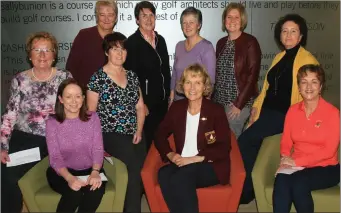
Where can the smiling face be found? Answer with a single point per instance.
(190, 25)
(310, 86)
(146, 20)
(42, 54)
(290, 34)
(193, 86)
(72, 100)
(233, 21)
(106, 18)
(117, 55)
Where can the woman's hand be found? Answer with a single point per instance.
(172, 156)
(183, 161)
(287, 161)
(137, 138)
(94, 180)
(146, 110)
(233, 113)
(171, 98)
(75, 183)
(4, 157)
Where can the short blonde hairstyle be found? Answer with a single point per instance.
(242, 12)
(195, 70)
(106, 3)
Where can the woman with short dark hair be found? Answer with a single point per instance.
(116, 96)
(279, 92)
(309, 146)
(75, 145)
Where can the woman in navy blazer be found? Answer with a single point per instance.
(202, 140)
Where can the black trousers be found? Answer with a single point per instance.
(11, 197)
(270, 122)
(179, 184)
(296, 188)
(153, 120)
(133, 156)
(84, 199)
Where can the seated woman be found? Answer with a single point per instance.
(278, 93)
(312, 131)
(75, 146)
(32, 99)
(202, 139)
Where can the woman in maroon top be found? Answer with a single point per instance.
(87, 55)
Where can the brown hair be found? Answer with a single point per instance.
(111, 40)
(313, 68)
(59, 107)
(242, 12)
(41, 35)
(195, 70)
(107, 3)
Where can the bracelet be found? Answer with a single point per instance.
(97, 170)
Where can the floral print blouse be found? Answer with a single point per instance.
(116, 105)
(29, 105)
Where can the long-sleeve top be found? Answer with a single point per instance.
(280, 83)
(202, 53)
(29, 105)
(74, 143)
(86, 55)
(303, 57)
(315, 140)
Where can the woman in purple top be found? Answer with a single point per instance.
(195, 49)
(75, 146)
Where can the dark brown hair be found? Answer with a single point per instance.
(313, 68)
(59, 107)
(111, 40)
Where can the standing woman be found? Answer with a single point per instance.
(279, 92)
(32, 98)
(238, 64)
(75, 145)
(86, 55)
(195, 49)
(115, 93)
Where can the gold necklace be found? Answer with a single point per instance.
(43, 79)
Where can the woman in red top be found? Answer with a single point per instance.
(312, 131)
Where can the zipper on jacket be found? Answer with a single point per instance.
(163, 78)
(146, 86)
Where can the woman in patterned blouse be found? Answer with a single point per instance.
(115, 93)
(238, 63)
(32, 99)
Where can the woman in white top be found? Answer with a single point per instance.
(202, 140)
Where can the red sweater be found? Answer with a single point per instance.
(87, 55)
(315, 140)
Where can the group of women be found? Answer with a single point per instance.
(132, 99)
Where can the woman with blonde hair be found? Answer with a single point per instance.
(202, 141)
(87, 55)
(237, 70)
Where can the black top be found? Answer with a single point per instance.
(151, 66)
(278, 95)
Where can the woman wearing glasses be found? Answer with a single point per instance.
(32, 99)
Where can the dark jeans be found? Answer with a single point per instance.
(269, 123)
(85, 199)
(132, 155)
(179, 184)
(296, 188)
(151, 124)
(11, 197)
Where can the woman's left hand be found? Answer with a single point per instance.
(137, 138)
(233, 113)
(94, 180)
(287, 161)
(183, 161)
